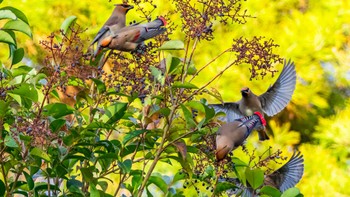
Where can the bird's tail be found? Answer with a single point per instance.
(262, 134)
(157, 23)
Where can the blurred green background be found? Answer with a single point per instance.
(314, 34)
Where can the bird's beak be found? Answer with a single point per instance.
(130, 7)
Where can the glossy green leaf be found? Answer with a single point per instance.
(187, 85)
(94, 191)
(10, 142)
(74, 182)
(67, 23)
(2, 188)
(29, 180)
(179, 176)
(271, 191)
(159, 182)
(132, 135)
(3, 108)
(18, 25)
(223, 186)
(238, 162)
(87, 174)
(57, 124)
(101, 87)
(26, 91)
(103, 185)
(58, 110)
(6, 37)
(172, 64)
(209, 113)
(17, 12)
(21, 70)
(114, 112)
(291, 192)
(188, 117)
(7, 14)
(125, 166)
(255, 177)
(43, 187)
(172, 45)
(17, 56)
(40, 153)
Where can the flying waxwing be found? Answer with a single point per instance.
(271, 102)
(128, 38)
(117, 19)
(233, 134)
(284, 178)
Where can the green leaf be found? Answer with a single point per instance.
(291, 192)
(26, 90)
(87, 174)
(67, 23)
(125, 166)
(271, 191)
(157, 74)
(172, 64)
(188, 117)
(238, 162)
(7, 14)
(187, 85)
(132, 135)
(179, 176)
(58, 110)
(10, 142)
(2, 188)
(114, 112)
(101, 87)
(6, 37)
(103, 185)
(172, 45)
(21, 70)
(29, 180)
(220, 187)
(255, 177)
(94, 191)
(40, 153)
(17, 56)
(74, 182)
(44, 186)
(17, 12)
(57, 124)
(18, 25)
(3, 108)
(209, 113)
(159, 182)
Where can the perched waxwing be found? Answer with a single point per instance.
(129, 37)
(117, 20)
(284, 178)
(271, 102)
(233, 134)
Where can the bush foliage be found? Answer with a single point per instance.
(138, 124)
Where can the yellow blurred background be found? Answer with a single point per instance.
(314, 34)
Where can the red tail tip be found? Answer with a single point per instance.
(262, 119)
(163, 20)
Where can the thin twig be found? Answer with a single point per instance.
(206, 65)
